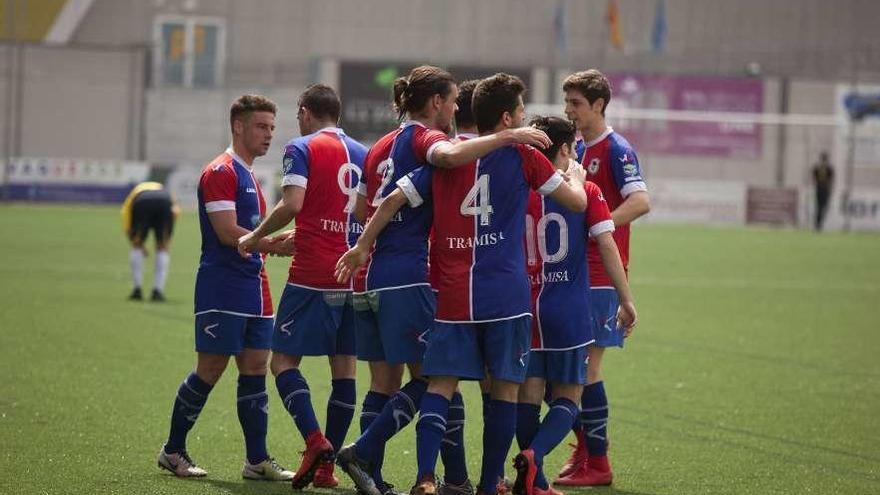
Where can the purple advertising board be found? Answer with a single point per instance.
(715, 94)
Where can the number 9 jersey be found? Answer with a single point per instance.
(327, 164)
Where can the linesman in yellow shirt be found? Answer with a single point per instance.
(149, 207)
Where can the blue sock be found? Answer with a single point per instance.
(253, 414)
(340, 411)
(498, 433)
(429, 432)
(556, 425)
(594, 418)
(399, 412)
(191, 398)
(452, 446)
(374, 402)
(528, 418)
(295, 396)
(487, 404)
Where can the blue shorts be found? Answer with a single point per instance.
(229, 334)
(604, 306)
(313, 322)
(559, 366)
(392, 324)
(465, 350)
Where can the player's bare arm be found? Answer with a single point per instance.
(356, 257)
(626, 313)
(284, 212)
(634, 206)
(228, 231)
(360, 209)
(453, 155)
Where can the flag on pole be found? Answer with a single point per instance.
(615, 36)
(658, 37)
(559, 27)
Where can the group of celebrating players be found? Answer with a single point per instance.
(488, 255)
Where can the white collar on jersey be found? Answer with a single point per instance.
(407, 123)
(605, 134)
(238, 158)
(467, 135)
(331, 128)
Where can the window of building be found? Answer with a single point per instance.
(188, 51)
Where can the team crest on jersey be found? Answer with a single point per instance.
(630, 169)
(593, 167)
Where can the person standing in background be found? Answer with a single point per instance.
(823, 179)
(149, 207)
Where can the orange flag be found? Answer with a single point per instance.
(615, 36)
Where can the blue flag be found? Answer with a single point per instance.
(658, 37)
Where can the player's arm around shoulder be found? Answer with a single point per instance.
(626, 314)
(447, 154)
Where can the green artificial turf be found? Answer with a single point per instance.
(754, 368)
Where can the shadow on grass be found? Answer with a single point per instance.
(259, 487)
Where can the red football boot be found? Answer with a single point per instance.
(526, 471)
(318, 450)
(324, 477)
(578, 456)
(594, 472)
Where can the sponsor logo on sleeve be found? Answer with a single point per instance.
(287, 165)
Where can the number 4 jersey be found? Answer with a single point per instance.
(556, 250)
(479, 223)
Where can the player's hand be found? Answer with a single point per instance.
(282, 244)
(530, 135)
(626, 317)
(349, 262)
(576, 173)
(247, 244)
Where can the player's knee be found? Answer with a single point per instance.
(568, 391)
(532, 391)
(504, 390)
(211, 370)
(343, 367)
(386, 379)
(282, 362)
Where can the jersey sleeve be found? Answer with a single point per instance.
(598, 215)
(296, 165)
(218, 185)
(416, 186)
(368, 168)
(539, 172)
(425, 141)
(626, 170)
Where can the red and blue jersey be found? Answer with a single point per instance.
(556, 254)
(328, 165)
(226, 282)
(611, 162)
(400, 256)
(479, 223)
